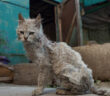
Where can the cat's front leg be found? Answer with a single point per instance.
(41, 81)
(37, 91)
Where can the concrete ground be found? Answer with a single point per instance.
(21, 90)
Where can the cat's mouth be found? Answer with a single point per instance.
(26, 40)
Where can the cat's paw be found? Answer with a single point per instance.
(63, 92)
(107, 94)
(60, 92)
(101, 92)
(94, 90)
(36, 92)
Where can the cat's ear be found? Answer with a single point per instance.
(21, 19)
(38, 20)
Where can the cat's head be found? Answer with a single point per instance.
(29, 30)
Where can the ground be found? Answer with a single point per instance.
(22, 90)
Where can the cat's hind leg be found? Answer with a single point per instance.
(66, 87)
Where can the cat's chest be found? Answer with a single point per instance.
(33, 52)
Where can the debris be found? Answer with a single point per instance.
(4, 60)
(6, 73)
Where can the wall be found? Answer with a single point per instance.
(9, 45)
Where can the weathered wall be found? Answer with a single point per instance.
(9, 46)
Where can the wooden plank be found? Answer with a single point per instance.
(50, 2)
(7, 66)
(71, 29)
(3, 79)
(102, 19)
(23, 74)
(67, 16)
(59, 23)
(78, 20)
(56, 23)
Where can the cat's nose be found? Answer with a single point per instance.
(25, 38)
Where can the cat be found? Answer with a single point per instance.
(30, 32)
(54, 59)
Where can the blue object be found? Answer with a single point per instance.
(4, 60)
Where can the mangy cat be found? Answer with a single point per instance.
(55, 59)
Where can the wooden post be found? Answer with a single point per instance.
(58, 23)
(78, 20)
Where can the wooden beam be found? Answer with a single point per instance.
(58, 23)
(78, 20)
(50, 2)
(7, 66)
(102, 19)
(4, 79)
(71, 28)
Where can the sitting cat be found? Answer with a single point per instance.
(54, 59)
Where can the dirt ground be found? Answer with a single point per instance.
(21, 90)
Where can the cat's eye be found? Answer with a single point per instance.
(31, 33)
(21, 32)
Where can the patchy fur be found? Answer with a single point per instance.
(54, 59)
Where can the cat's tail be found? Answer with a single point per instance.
(87, 85)
(101, 92)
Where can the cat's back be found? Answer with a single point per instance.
(66, 50)
(68, 55)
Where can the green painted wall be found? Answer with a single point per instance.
(9, 45)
